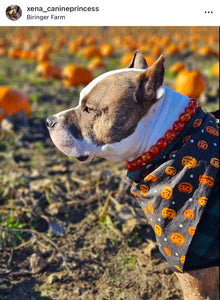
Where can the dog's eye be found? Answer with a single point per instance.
(88, 109)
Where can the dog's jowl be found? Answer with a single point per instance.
(171, 150)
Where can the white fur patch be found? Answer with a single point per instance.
(160, 92)
(93, 83)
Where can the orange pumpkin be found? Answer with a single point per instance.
(150, 208)
(177, 238)
(202, 201)
(170, 170)
(74, 75)
(144, 189)
(215, 69)
(205, 51)
(167, 251)
(158, 229)
(90, 52)
(182, 259)
(212, 130)
(48, 70)
(26, 54)
(185, 187)
(12, 102)
(3, 51)
(166, 192)
(15, 53)
(189, 162)
(172, 49)
(168, 213)
(197, 123)
(192, 230)
(96, 63)
(189, 214)
(190, 83)
(206, 180)
(177, 67)
(214, 162)
(202, 145)
(126, 59)
(107, 50)
(151, 177)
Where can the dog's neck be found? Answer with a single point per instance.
(151, 127)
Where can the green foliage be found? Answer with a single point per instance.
(127, 261)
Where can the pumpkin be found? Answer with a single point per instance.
(150, 207)
(167, 251)
(144, 189)
(74, 75)
(170, 170)
(90, 52)
(158, 229)
(3, 51)
(185, 187)
(189, 162)
(177, 67)
(73, 47)
(202, 201)
(172, 49)
(126, 59)
(183, 259)
(214, 162)
(166, 192)
(190, 83)
(15, 52)
(48, 70)
(202, 145)
(168, 213)
(177, 238)
(206, 180)
(215, 69)
(192, 230)
(205, 51)
(197, 123)
(43, 56)
(107, 50)
(26, 54)
(151, 177)
(96, 63)
(12, 102)
(212, 130)
(189, 214)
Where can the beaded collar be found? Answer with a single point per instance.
(164, 141)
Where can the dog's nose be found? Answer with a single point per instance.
(51, 122)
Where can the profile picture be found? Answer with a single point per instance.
(13, 12)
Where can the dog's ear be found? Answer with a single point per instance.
(150, 82)
(138, 61)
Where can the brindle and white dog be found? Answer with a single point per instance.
(120, 115)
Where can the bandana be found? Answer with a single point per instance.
(176, 189)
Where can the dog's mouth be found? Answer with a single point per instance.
(82, 157)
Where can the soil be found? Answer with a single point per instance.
(57, 241)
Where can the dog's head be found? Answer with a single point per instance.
(111, 107)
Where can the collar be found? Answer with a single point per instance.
(168, 137)
(138, 174)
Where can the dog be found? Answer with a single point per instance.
(170, 146)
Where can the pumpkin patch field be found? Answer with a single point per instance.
(70, 230)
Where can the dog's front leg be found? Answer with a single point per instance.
(200, 284)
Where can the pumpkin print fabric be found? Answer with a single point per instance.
(175, 188)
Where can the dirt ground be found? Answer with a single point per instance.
(57, 243)
(56, 239)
